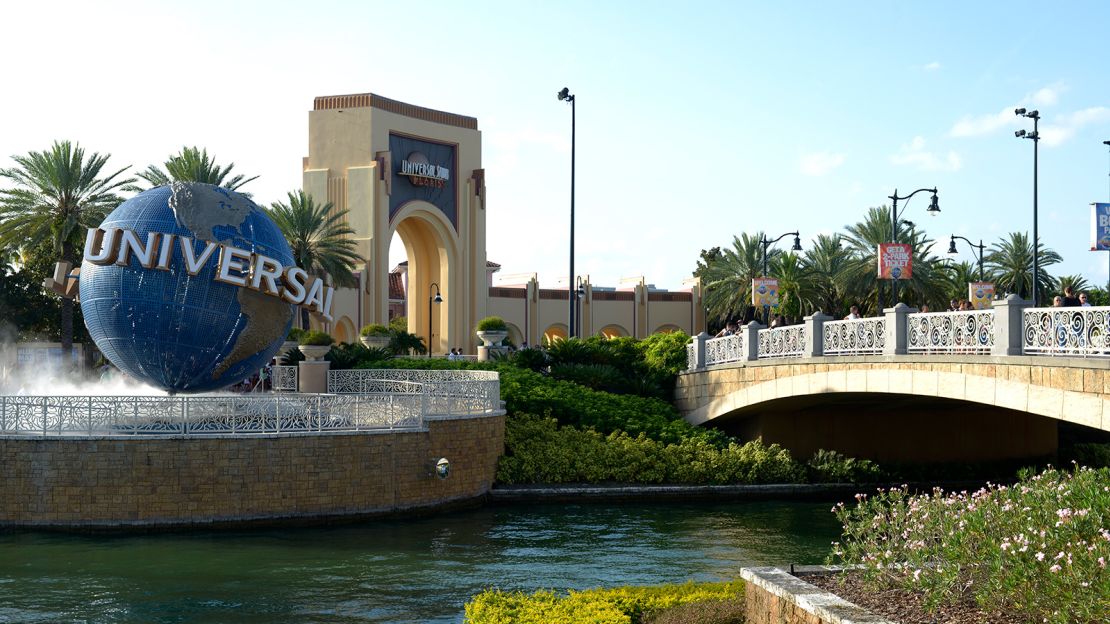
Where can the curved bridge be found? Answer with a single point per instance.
(903, 408)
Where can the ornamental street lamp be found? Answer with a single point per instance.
(432, 299)
(1036, 137)
(572, 295)
(933, 209)
(767, 243)
(952, 251)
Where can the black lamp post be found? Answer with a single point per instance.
(980, 247)
(437, 298)
(580, 294)
(566, 96)
(767, 243)
(933, 209)
(1036, 137)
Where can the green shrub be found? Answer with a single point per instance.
(351, 355)
(374, 329)
(622, 605)
(832, 467)
(537, 450)
(1092, 454)
(492, 323)
(295, 334)
(316, 338)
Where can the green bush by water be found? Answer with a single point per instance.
(622, 605)
(537, 450)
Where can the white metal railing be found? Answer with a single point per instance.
(284, 378)
(1081, 332)
(969, 331)
(208, 415)
(782, 342)
(724, 349)
(450, 392)
(691, 356)
(865, 336)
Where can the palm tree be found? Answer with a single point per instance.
(58, 194)
(320, 238)
(1077, 283)
(796, 291)
(928, 284)
(824, 260)
(960, 274)
(1009, 264)
(193, 165)
(728, 278)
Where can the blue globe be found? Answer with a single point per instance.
(181, 332)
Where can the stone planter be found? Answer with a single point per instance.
(288, 346)
(491, 344)
(374, 342)
(315, 353)
(492, 338)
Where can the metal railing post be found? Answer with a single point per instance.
(1009, 326)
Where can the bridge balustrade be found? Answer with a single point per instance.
(865, 336)
(1083, 332)
(1010, 328)
(782, 342)
(970, 331)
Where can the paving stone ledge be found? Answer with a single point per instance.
(773, 595)
(580, 492)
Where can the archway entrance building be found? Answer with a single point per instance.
(417, 172)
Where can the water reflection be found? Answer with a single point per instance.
(419, 570)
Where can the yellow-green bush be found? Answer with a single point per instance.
(622, 605)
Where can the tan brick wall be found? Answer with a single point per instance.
(182, 481)
(763, 607)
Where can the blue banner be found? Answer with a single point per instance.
(1100, 227)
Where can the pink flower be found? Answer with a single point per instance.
(1040, 556)
(1054, 569)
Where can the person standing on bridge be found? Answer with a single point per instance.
(853, 314)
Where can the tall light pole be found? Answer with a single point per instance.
(437, 298)
(952, 251)
(1036, 137)
(933, 209)
(1107, 144)
(766, 242)
(572, 293)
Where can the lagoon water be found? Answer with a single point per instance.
(418, 570)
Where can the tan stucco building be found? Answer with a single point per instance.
(417, 172)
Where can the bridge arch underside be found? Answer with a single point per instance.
(894, 428)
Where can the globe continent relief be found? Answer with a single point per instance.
(182, 332)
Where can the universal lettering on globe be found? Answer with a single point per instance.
(237, 267)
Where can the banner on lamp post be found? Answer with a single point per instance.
(980, 294)
(765, 291)
(895, 261)
(1100, 227)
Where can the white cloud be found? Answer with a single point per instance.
(978, 125)
(915, 154)
(1065, 126)
(931, 67)
(1047, 96)
(820, 163)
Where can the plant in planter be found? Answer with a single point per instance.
(375, 336)
(315, 344)
(492, 330)
(292, 340)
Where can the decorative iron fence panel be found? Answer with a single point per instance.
(285, 378)
(864, 336)
(207, 415)
(450, 392)
(969, 331)
(691, 360)
(782, 342)
(724, 349)
(1083, 332)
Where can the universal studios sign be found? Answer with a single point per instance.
(420, 172)
(237, 267)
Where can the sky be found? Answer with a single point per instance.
(693, 124)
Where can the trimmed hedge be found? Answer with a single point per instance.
(537, 450)
(622, 605)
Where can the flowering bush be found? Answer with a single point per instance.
(1039, 548)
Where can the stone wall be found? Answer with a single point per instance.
(182, 481)
(773, 596)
